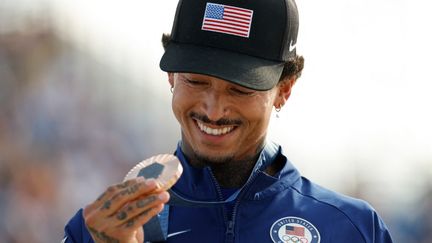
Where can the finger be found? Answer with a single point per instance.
(125, 230)
(129, 193)
(142, 218)
(139, 206)
(109, 192)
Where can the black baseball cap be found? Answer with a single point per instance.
(245, 42)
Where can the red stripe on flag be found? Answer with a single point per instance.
(236, 20)
(225, 31)
(227, 22)
(237, 13)
(238, 9)
(237, 17)
(228, 27)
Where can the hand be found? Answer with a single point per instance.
(118, 214)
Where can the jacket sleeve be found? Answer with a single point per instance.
(75, 230)
(381, 233)
(367, 221)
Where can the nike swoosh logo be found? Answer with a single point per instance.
(291, 46)
(178, 233)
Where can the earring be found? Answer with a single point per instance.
(172, 89)
(277, 109)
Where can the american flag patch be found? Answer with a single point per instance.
(294, 230)
(227, 19)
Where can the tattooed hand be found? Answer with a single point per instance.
(118, 214)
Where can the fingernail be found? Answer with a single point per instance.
(163, 196)
(150, 182)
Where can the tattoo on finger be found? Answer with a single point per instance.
(106, 205)
(123, 185)
(128, 191)
(132, 189)
(103, 236)
(130, 223)
(144, 202)
(122, 215)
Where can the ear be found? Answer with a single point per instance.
(284, 88)
(171, 79)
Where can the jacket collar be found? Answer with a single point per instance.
(199, 184)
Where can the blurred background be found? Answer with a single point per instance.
(82, 100)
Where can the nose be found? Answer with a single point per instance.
(215, 105)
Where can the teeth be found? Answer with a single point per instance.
(214, 131)
(225, 130)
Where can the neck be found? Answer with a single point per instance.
(233, 174)
(229, 172)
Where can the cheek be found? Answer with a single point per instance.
(182, 103)
(176, 106)
(259, 113)
(263, 111)
(263, 107)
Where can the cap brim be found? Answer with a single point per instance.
(247, 71)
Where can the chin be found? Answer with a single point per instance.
(213, 158)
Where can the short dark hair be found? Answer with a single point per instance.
(292, 68)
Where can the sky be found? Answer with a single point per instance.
(361, 108)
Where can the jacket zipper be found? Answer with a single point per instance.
(230, 223)
(219, 192)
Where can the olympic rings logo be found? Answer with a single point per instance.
(294, 239)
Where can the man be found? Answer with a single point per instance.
(229, 63)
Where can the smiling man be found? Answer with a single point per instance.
(223, 124)
(229, 64)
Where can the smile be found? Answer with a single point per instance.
(214, 131)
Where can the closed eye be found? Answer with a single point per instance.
(243, 92)
(195, 82)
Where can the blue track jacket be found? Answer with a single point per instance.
(285, 208)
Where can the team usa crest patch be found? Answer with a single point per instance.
(294, 230)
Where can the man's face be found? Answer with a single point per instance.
(219, 120)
